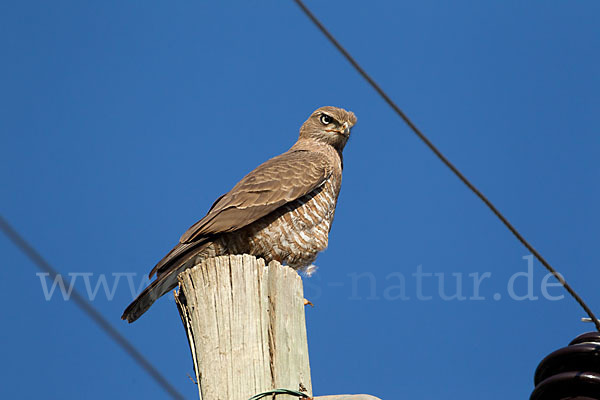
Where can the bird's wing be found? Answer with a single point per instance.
(276, 182)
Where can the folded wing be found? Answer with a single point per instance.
(271, 185)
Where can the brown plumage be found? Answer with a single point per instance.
(281, 211)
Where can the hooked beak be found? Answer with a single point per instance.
(344, 131)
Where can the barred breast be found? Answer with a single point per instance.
(293, 234)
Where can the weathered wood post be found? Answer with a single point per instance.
(245, 325)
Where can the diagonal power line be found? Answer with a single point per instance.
(94, 314)
(447, 162)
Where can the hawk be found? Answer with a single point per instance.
(280, 211)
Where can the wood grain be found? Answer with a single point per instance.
(246, 327)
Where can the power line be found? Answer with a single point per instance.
(94, 314)
(447, 162)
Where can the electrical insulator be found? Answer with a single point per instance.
(572, 372)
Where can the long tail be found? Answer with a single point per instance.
(166, 280)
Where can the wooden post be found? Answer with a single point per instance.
(245, 325)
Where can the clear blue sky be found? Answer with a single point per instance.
(122, 121)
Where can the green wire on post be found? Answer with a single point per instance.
(279, 391)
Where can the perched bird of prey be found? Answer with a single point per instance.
(281, 211)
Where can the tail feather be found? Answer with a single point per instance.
(166, 280)
(177, 252)
(156, 289)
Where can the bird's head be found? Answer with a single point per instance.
(330, 125)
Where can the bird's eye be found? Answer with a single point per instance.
(326, 119)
